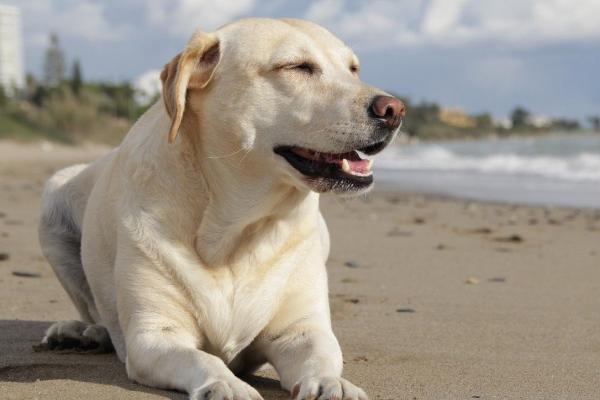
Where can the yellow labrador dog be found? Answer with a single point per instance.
(196, 248)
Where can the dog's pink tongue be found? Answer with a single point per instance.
(350, 162)
(361, 166)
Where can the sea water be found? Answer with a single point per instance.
(553, 170)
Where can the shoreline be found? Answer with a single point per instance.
(553, 170)
(385, 188)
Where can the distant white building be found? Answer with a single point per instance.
(505, 123)
(11, 53)
(539, 121)
(147, 86)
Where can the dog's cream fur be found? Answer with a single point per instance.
(206, 256)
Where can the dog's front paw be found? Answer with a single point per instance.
(327, 388)
(226, 389)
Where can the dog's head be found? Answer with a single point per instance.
(283, 98)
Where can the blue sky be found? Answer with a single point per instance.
(481, 55)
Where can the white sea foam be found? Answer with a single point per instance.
(580, 166)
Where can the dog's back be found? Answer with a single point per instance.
(60, 234)
(63, 205)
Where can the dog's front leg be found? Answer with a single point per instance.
(163, 334)
(168, 358)
(308, 359)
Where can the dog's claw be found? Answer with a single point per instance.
(327, 388)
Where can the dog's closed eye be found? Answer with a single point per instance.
(305, 67)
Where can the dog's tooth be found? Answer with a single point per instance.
(346, 166)
(369, 165)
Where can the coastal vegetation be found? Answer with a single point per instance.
(430, 121)
(62, 106)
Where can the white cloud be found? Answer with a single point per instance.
(376, 23)
(84, 19)
(565, 18)
(441, 15)
(87, 20)
(324, 9)
(454, 23)
(182, 17)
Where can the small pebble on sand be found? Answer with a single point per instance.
(352, 264)
(25, 274)
(481, 231)
(4, 256)
(514, 238)
(405, 310)
(398, 232)
(472, 281)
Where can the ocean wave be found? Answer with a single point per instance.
(583, 166)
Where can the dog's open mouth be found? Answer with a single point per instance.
(330, 170)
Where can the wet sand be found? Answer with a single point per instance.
(432, 298)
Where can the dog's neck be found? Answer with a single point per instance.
(247, 205)
(239, 220)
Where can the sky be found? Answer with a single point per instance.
(480, 55)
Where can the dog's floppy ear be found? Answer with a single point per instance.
(191, 69)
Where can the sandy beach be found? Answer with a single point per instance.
(432, 298)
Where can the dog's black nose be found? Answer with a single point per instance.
(390, 109)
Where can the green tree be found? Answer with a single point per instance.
(3, 97)
(564, 124)
(484, 121)
(595, 122)
(39, 95)
(54, 62)
(420, 117)
(121, 101)
(31, 84)
(76, 77)
(34, 92)
(519, 118)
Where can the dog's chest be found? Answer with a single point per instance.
(236, 314)
(239, 306)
